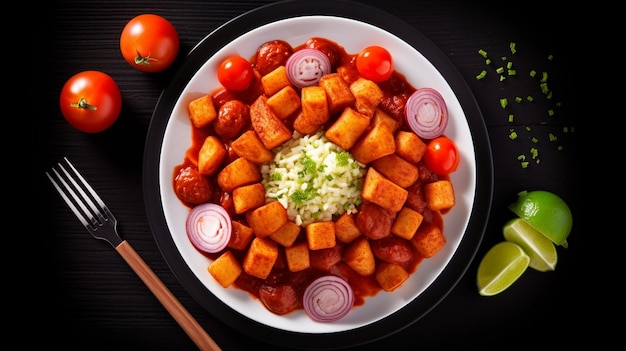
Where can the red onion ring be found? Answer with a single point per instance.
(426, 113)
(328, 298)
(306, 67)
(209, 227)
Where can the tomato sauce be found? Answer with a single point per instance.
(396, 90)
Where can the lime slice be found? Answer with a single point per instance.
(541, 250)
(501, 266)
(546, 212)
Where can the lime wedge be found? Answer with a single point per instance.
(546, 212)
(542, 252)
(501, 266)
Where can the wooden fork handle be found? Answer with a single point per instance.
(168, 300)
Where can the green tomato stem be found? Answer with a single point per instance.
(82, 103)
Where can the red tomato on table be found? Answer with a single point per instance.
(149, 43)
(90, 101)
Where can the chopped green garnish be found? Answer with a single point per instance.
(503, 58)
(512, 72)
(550, 112)
(534, 152)
(565, 129)
(502, 78)
(552, 137)
(481, 75)
(533, 73)
(534, 140)
(521, 157)
(550, 57)
(544, 77)
(513, 135)
(277, 176)
(518, 99)
(524, 164)
(343, 158)
(504, 102)
(530, 98)
(510, 118)
(482, 53)
(509, 65)
(300, 196)
(560, 147)
(499, 70)
(309, 165)
(512, 47)
(527, 128)
(544, 88)
(488, 61)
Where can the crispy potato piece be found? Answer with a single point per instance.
(359, 256)
(271, 130)
(337, 91)
(267, 219)
(241, 236)
(439, 195)
(238, 173)
(390, 275)
(260, 257)
(211, 156)
(383, 192)
(347, 129)
(381, 116)
(320, 235)
(406, 223)
(303, 126)
(248, 197)
(284, 102)
(250, 146)
(397, 169)
(225, 269)
(287, 234)
(297, 257)
(373, 144)
(202, 111)
(346, 229)
(428, 240)
(275, 81)
(315, 105)
(367, 96)
(409, 146)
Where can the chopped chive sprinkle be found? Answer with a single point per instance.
(502, 78)
(482, 53)
(499, 70)
(533, 73)
(512, 47)
(512, 72)
(488, 61)
(509, 65)
(560, 147)
(518, 99)
(504, 102)
(544, 77)
(513, 135)
(481, 75)
(550, 57)
(552, 137)
(535, 140)
(534, 152)
(524, 164)
(527, 128)
(503, 58)
(521, 157)
(550, 112)
(511, 118)
(530, 98)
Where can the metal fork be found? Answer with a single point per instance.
(94, 214)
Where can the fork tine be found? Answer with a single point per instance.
(86, 198)
(65, 198)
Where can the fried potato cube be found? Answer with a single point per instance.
(248, 197)
(267, 219)
(297, 257)
(241, 236)
(315, 105)
(346, 229)
(303, 126)
(285, 102)
(428, 240)
(367, 95)
(260, 257)
(271, 130)
(373, 144)
(409, 146)
(383, 192)
(381, 116)
(390, 275)
(275, 80)
(211, 155)
(397, 169)
(225, 269)
(406, 223)
(250, 146)
(238, 173)
(320, 235)
(287, 234)
(359, 256)
(439, 195)
(337, 91)
(202, 111)
(347, 129)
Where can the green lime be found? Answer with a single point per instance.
(541, 250)
(546, 212)
(501, 266)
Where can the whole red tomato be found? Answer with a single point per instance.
(235, 73)
(149, 43)
(375, 63)
(91, 101)
(442, 155)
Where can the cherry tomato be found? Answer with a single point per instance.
(374, 63)
(149, 43)
(235, 73)
(91, 101)
(442, 156)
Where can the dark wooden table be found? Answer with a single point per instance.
(95, 301)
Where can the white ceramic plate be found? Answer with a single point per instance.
(169, 139)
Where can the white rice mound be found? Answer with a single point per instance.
(313, 179)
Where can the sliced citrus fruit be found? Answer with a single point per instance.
(501, 266)
(542, 252)
(546, 212)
